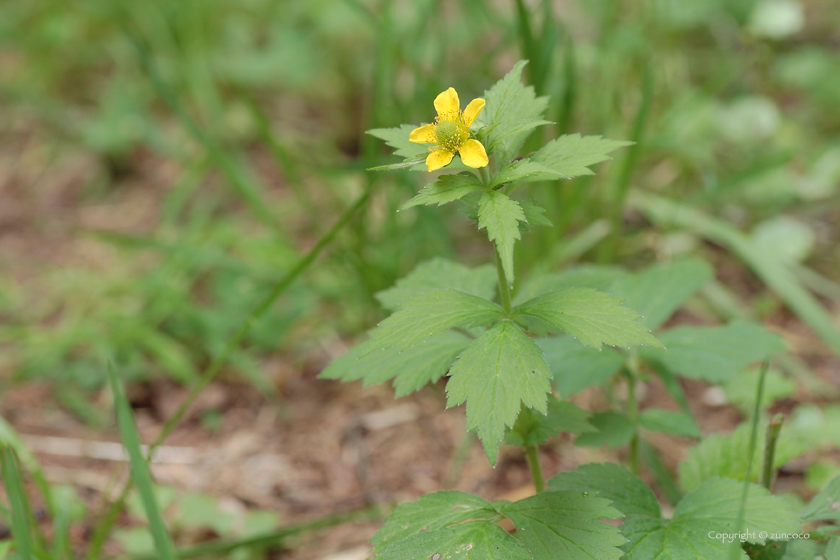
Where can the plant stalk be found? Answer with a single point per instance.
(504, 287)
(532, 454)
(773, 430)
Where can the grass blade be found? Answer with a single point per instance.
(773, 272)
(140, 470)
(21, 514)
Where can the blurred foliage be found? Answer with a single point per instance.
(738, 122)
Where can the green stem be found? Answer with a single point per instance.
(632, 373)
(484, 173)
(532, 454)
(773, 430)
(98, 539)
(504, 287)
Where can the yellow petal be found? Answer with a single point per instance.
(423, 135)
(439, 158)
(472, 110)
(447, 102)
(473, 154)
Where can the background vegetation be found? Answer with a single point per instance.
(163, 165)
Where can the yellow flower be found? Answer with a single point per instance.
(451, 133)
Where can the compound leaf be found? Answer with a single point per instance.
(511, 112)
(571, 155)
(428, 314)
(446, 189)
(474, 540)
(501, 369)
(626, 491)
(566, 525)
(440, 274)
(411, 369)
(397, 137)
(431, 513)
(522, 169)
(593, 317)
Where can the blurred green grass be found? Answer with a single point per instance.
(256, 110)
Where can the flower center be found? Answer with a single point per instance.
(451, 132)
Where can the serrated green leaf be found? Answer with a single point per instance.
(473, 540)
(428, 314)
(669, 422)
(658, 291)
(825, 505)
(713, 353)
(614, 430)
(626, 491)
(533, 428)
(501, 369)
(566, 525)
(571, 155)
(500, 216)
(511, 112)
(431, 513)
(534, 215)
(411, 369)
(596, 277)
(522, 169)
(446, 189)
(575, 366)
(440, 274)
(398, 138)
(593, 317)
(408, 163)
(719, 500)
(711, 509)
(724, 456)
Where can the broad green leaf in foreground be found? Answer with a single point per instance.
(571, 155)
(511, 112)
(628, 494)
(724, 456)
(500, 216)
(522, 169)
(655, 293)
(593, 317)
(575, 366)
(825, 505)
(431, 513)
(566, 525)
(428, 314)
(397, 138)
(502, 369)
(446, 189)
(712, 508)
(473, 540)
(714, 353)
(533, 428)
(411, 369)
(440, 274)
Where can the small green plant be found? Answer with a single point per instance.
(494, 345)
